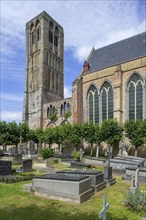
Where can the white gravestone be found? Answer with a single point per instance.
(102, 214)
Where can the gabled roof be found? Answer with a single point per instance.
(119, 52)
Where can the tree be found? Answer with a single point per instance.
(98, 138)
(23, 131)
(134, 133)
(49, 136)
(67, 115)
(53, 117)
(111, 132)
(3, 133)
(74, 134)
(13, 133)
(89, 134)
(59, 136)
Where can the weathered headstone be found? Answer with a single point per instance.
(17, 159)
(31, 147)
(102, 214)
(135, 182)
(27, 165)
(5, 167)
(13, 151)
(39, 148)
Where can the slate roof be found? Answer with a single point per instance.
(119, 52)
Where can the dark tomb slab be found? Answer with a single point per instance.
(97, 181)
(80, 165)
(74, 188)
(5, 167)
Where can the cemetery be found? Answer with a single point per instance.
(74, 186)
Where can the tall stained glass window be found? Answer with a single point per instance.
(135, 89)
(93, 105)
(107, 101)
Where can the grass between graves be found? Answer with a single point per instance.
(15, 204)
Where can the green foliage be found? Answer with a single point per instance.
(23, 130)
(136, 201)
(53, 117)
(67, 115)
(143, 128)
(88, 132)
(16, 178)
(49, 136)
(39, 134)
(74, 134)
(47, 153)
(75, 155)
(111, 131)
(59, 135)
(134, 132)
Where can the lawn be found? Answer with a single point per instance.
(15, 204)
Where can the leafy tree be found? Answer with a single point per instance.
(134, 133)
(47, 153)
(111, 132)
(67, 115)
(13, 133)
(39, 133)
(98, 138)
(53, 117)
(59, 135)
(143, 128)
(3, 133)
(74, 134)
(23, 131)
(89, 134)
(49, 136)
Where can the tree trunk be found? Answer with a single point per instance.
(135, 153)
(91, 152)
(97, 151)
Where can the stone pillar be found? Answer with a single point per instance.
(118, 96)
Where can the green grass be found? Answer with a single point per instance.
(18, 205)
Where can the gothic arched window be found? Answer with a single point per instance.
(93, 105)
(107, 101)
(135, 89)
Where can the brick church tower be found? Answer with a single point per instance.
(44, 79)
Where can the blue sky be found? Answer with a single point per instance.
(86, 24)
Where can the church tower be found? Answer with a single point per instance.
(44, 79)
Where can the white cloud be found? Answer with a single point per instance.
(10, 97)
(67, 91)
(85, 23)
(11, 116)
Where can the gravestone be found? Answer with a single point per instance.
(39, 148)
(31, 147)
(68, 187)
(5, 167)
(108, 171)
(17, 159)
(122, 149)
(13, 151)
(135, 182)
(81, 154)
(97, 181)
(102, 214)
(26, 166)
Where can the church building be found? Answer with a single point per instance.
(111, 84)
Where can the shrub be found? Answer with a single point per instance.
(56, 161)
(75, 155)
(136, 201)
(46, 153)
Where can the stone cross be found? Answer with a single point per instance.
(102, 213)
(81, 154)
